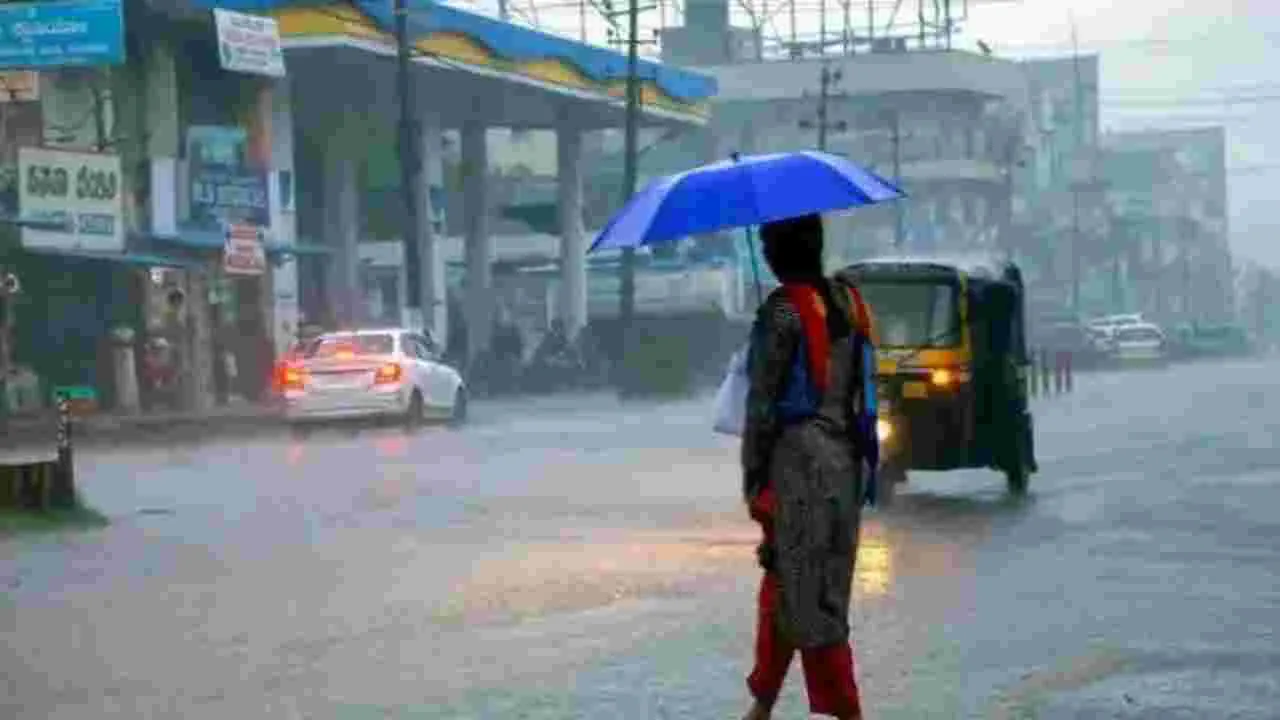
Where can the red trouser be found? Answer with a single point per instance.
(828, 671)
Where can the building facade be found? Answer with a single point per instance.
(945, 125)
(1063, 223)
(1167, 191)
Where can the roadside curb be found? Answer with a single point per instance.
(269, 422)
(106, 430)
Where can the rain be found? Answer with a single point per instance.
(356, 368)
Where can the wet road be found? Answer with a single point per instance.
(595, 563)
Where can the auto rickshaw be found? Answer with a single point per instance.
(952, 367)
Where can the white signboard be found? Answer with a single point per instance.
(242, 254)
(249, 43)
(70, 200)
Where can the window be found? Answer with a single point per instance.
(423, 348)
(330, 346)
(913, 313)
(430, 343)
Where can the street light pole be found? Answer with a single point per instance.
(410, 173)
(627, 301)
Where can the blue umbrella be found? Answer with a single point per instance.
(741, 192)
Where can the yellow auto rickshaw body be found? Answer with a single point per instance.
(950, 364)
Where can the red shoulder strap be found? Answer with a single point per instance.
(809, 305)
(861, 315)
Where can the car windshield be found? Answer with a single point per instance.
(336, 345)
(913, 313)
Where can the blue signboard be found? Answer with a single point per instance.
(224, 189)
(61, 34)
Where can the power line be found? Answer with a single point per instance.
(1144, 44)
(1232, 89)
(1194, 101)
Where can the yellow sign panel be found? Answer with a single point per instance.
(915, 390)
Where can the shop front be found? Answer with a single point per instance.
(224, 222)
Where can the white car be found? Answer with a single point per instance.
(1141, 342)
(372, 373)
(1107, 326)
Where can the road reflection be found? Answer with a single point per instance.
(873, 574)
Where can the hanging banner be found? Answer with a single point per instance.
(79, 33)
(75, 198)
(243, 253)
(249, 44)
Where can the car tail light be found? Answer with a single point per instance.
(388, 374)
(292, 377)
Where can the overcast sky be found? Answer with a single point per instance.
(1165, 63)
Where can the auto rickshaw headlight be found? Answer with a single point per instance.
(884, 430)
(948, 377)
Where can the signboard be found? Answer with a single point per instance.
(81, 192)
(242, 254)
(249, 43)
(61, 34)
(19, 86)
(223, 188)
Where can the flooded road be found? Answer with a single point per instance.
(552, 562)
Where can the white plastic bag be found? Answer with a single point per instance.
(731, 398)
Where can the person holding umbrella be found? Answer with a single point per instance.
(802, 452)
(807, 420)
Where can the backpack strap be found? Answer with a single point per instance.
(865, 409)
(808, 303)
(861, 315)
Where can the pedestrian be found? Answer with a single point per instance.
(803, 446)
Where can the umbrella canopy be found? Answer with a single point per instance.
(744, 191)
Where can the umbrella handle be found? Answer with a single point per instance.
(755, 265)
(751, 251)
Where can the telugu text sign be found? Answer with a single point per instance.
(80, 193)
(243, 253)
(61, 34)
(249, 43)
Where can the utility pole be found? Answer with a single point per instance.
(827, 79)
(871, 25)
(410, 177)
(1075, 187)
(1010, 162)
(895, 138)
(822, 28)
(627, 284)
(794, 49)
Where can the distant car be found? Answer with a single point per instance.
(1107, 326)
(1142, 342)
(1087, 347)
(371, 373)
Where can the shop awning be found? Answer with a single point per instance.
(138, 259)
(202, 239)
